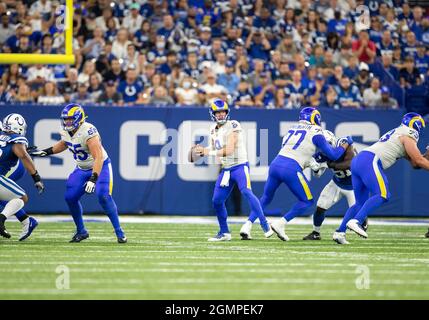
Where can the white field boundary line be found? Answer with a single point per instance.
(232, 220)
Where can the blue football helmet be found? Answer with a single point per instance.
(311, 115)
(219, 105)
(414, 120)
(72, 117)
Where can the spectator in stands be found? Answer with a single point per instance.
(7, 29)
(422, 59)
(131, 87)
(352, 70)
(229, 79)
(120, 45)
(133, 21)
(372, 95)
(409, 75)
(24, 45)
(93, 47)
(50, 95)
(330, 100)
(142, 38)
(363, 79)
(95, 87)
(110, 95)
(11, 76)
(211, 88)
(70, 85)
(23, 95)
(386, 60)
(364, 48)
(244, 96)
(385, 46)
(410, 46)
(265, 92)
(115, 73)
(161, 97)
(131, 58)
(186, 93)
(37, 75)
(348, 94)
(81, 96)
(319, 90)
(281, 102)
(296, 91)
(88, 69)
(386, 101)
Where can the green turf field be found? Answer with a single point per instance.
(174, 261)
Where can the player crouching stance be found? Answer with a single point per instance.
(226, 142)
(368, 176)
(298, 147)
(92, 173)
(13, 147)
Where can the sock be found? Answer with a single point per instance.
(12, 207)
(25, 222)
(318, 218)
(76, 210)
(255, 207)
(298, 209)
(350, 214)
(222, 215)
(370, 205)
(110, 208)
(21, 215)
(317, 229)
(282, 222)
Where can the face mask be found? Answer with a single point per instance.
(160, 45)
(186, 84)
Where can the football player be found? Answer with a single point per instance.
(13, 148)
(298, 147)
(370, 184)
(28, 223)
(93, 172)
(339, 186)
(226, 142)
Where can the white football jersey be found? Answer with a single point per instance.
(298, 142)
(389, 148)
(218, 139)
(77, 144)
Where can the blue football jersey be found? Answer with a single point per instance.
(8, 159)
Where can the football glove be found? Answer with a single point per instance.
(320, 157)
(90, 184)
(38, 182)
(33, 151)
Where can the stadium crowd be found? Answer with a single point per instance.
(268, 54)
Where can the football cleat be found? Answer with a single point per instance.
(279, 229)
(245, 231)
(365, 224)
(122, 239)
(78, 237)
(340, 238)
(3, 232)
(314, 235)
(220, 237)
(354, 225)
(427, 234)
(268, 232)
(28, 228)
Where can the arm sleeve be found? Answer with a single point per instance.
(332, 153)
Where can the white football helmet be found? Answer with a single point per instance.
(14, 122)
(330, 137)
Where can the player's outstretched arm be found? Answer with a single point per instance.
(416, 158)
(332, 153)
(21, 152)
(59, 147)
(345, 164)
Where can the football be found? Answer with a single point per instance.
(193, 156)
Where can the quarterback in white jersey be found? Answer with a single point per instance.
(370, 184)
(93, 172)
(227, 143)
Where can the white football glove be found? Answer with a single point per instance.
(314, 165)
(90, 187)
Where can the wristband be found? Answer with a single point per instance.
(36, 177)
(94, 177)
(49, 151)
(213, 153)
